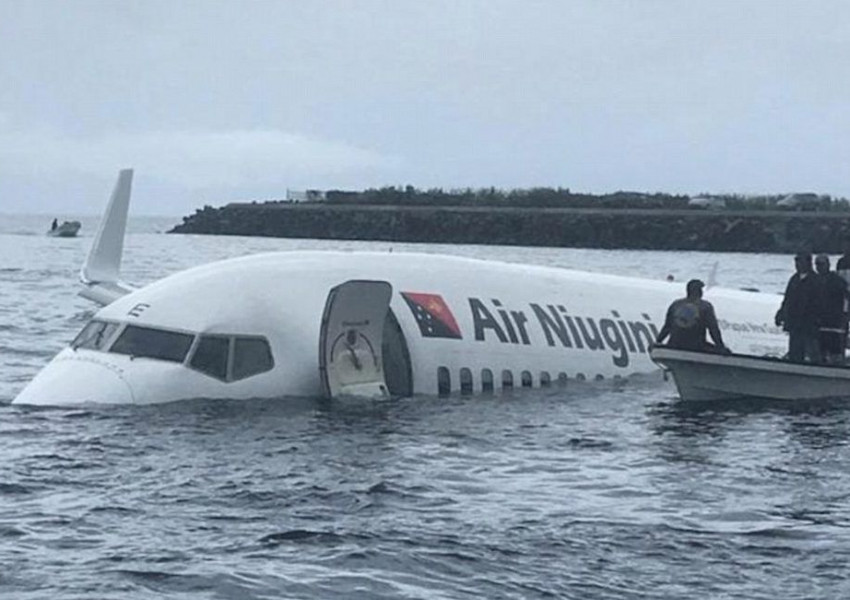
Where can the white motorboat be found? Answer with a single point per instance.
(66, 229)
(702, 376)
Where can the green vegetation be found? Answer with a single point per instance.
(543, 197)
(492, 197)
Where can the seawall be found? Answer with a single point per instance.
(647, 229)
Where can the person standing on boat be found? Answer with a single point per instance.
(842, 267)
(800, 312)
(833, 325)
(687, 321)
(843, 264)
(54, 225)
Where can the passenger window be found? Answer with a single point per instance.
(526, 379)
(146, 342)
(507, 379)
(444, 381)
(251, 356)
(465, 381)
(486, 380)
(96, 335)
(211, 356)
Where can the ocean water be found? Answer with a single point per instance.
(597, 490)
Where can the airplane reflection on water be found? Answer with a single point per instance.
(361, 323)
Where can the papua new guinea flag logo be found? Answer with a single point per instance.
(433, 316)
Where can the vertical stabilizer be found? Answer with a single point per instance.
(102, 267)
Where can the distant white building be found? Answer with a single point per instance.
(305, 195)
(707, 202)
(802, 201)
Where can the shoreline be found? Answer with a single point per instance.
(604, 228)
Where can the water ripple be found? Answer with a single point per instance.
(596, 491)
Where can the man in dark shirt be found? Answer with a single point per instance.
(842, 267)
(687, 321)
(833, 292)
(843, 264)
(800, 312)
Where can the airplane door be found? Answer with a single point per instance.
(351, 361)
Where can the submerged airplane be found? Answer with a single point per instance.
(336, 324)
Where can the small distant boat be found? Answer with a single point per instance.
(701, 376)
(66, 229)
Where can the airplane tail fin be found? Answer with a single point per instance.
(100, 273)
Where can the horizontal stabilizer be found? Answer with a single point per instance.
(104, 293)
(100, 273)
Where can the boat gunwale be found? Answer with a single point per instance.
(664, 354)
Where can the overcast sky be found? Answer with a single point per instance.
(218, 101)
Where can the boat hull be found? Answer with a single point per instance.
(704, 377)
(66, 229)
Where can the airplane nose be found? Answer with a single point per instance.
(71, 380)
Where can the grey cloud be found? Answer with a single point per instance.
(189, 159)
(655, 95)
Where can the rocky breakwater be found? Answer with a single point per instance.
(647, 229)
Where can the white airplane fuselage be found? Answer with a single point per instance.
(464, 323)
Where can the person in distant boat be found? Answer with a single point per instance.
(54, 225)
(800, 312)
(833, 325)
(687, 321)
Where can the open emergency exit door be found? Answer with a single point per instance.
(351, 361)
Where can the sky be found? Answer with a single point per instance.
(218, 101)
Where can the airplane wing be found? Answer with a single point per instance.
(99, 275)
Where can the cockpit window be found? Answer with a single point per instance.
(96, 335)
(231, 358)
(251, 356)
(146, 342)
(210, 356)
